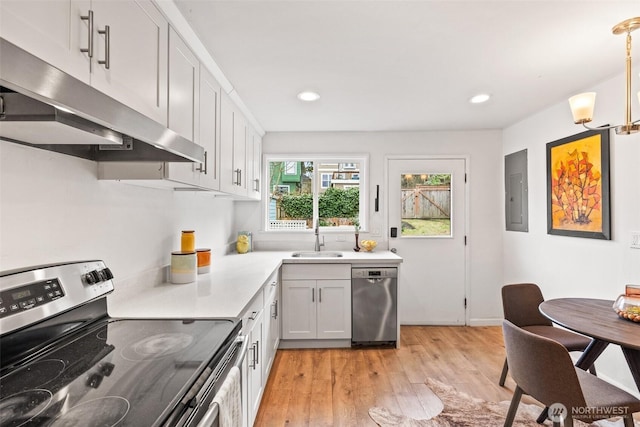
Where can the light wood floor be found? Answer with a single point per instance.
(336, 387)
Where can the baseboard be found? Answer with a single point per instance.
(486, 322)
(314, 344)
(472, 322)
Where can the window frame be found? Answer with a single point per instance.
(362, 159)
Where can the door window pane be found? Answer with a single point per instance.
(426, 204)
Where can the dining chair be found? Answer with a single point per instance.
(543, 369)
(520, 305)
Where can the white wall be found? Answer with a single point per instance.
(570, 266)
(485, 180)
(53, 208)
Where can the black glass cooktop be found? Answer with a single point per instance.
(115, 373)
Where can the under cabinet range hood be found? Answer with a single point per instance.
(43, 107)
(26, 119)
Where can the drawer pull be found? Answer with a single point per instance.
(253, 315)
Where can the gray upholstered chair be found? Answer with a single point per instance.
(543, 369)
(520, 305)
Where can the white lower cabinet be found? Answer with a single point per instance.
(316, 300)
(261, 328)
(271, 323)
(252, 384)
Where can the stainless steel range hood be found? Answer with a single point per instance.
(46, 108)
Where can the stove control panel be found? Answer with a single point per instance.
(29, 296)
(97, 276)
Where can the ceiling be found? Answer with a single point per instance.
(399, 65)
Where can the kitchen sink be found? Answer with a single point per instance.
(313, 254)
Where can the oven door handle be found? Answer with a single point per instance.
(243, 351)
(210, 418)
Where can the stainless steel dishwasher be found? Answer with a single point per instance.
(374, 306)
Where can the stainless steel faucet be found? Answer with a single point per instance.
(318, 244)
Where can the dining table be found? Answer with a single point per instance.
(596, 319)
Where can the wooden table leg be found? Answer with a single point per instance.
(633, 360)
(591, 353)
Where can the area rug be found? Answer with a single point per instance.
(462, 410)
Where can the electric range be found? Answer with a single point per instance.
(65, 362)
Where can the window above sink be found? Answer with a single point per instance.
(305, 190)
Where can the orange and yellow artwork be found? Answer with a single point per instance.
(576, 185)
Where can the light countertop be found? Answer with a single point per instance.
(227, 290)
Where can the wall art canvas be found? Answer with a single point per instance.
(578, 186)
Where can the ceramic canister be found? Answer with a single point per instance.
(204, 260)
(183, 267)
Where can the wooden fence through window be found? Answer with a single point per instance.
(426, 202)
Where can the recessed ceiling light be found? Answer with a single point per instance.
(480, 98)
(308, 96)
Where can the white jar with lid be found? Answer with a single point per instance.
(183, 267)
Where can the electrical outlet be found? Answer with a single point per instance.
(635, 239)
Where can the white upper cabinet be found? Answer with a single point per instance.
(184, 84)
(118, 47)
(209, 129)
(130, 55)
(52, 30)
(233, 131)
(184, 104)
(254, 164)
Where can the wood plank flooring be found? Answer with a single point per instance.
(336, 387)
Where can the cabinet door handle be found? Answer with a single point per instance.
(202, 168)
(313, 295)
(89, 49)
(257, 187)
(240, 177)
(257, 352)
(107, 46)
(274, 312)
(319, 294)
(252, 364)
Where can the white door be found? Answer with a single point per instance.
(427, 210)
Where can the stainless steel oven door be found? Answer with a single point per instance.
(212, 415)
